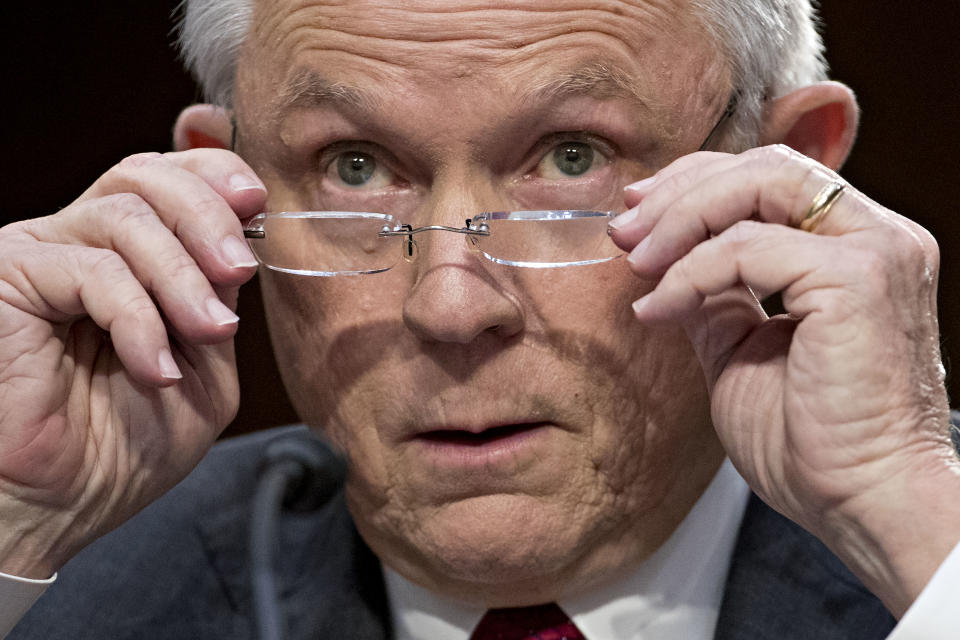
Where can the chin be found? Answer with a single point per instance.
(485, 548)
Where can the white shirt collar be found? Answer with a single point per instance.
(676, 593)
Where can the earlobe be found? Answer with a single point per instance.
(820, 121)
(202, 126)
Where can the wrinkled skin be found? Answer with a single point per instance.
(96, 426)
(836, 415)
(453, 341)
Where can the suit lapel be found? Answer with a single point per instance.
(784, 584)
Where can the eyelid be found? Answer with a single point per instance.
(547, 144)
(330, 152)
(601, 144)
(386, 161)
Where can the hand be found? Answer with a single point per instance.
(836, 414)
(117, 370)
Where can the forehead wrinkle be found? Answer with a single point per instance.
(482, 27)
(409, 55)
(600, 80)
(310, 88)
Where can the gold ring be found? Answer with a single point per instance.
(821, 205)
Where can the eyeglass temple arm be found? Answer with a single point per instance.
(727, 114)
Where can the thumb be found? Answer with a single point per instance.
(720, 326)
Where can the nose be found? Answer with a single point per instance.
(458, 296)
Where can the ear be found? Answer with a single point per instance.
(819, 121)
(202, 125)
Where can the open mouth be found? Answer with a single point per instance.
(487, 436)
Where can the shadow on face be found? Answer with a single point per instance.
(507, 427)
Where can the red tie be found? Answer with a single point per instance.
(543, 622)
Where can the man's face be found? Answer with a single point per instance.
(514, 434)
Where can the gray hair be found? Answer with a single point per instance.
(209, 36)
(772, 47)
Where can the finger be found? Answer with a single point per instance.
(223, 170)
(761, 256)
(58, 282)
(652, 197)
(228, 175)
(187, 204)
(771, 190)
(126, 224)
(720, 325)
(634, 193)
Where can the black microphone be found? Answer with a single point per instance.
(300, 473)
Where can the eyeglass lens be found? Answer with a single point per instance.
(323, 244)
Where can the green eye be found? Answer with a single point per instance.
(573, 158)
(355, 168)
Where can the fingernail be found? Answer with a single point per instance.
(243, 182)
(642, 185)
(641, 304)
(220, 313)
(237, 253)
(638, 251)
(624, 218)
(168, 366)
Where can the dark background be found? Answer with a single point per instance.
(92, 82)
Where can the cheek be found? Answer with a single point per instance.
(642, 387)
(634, 396)
(327, 334)
(335, 340)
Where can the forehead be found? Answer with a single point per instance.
(450, 46)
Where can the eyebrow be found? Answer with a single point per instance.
(311, 88)
(597, 79)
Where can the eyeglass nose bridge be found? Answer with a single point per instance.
(410, 247)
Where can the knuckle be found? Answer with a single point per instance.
(742, 232)
(129, 172)
(139, 160)
(682, 270)
(106, 263)
(911, 245)
(681, 181)
(127, 207)
(140, 308)
(809, 172)
(207, 203)
(179, 266)
(787, 172)
(204, 154)
(126, 216)
(928, 247)
(773, 155)
(209, 163)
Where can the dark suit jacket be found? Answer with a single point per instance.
(178, 570)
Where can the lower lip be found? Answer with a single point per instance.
(462, 450)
